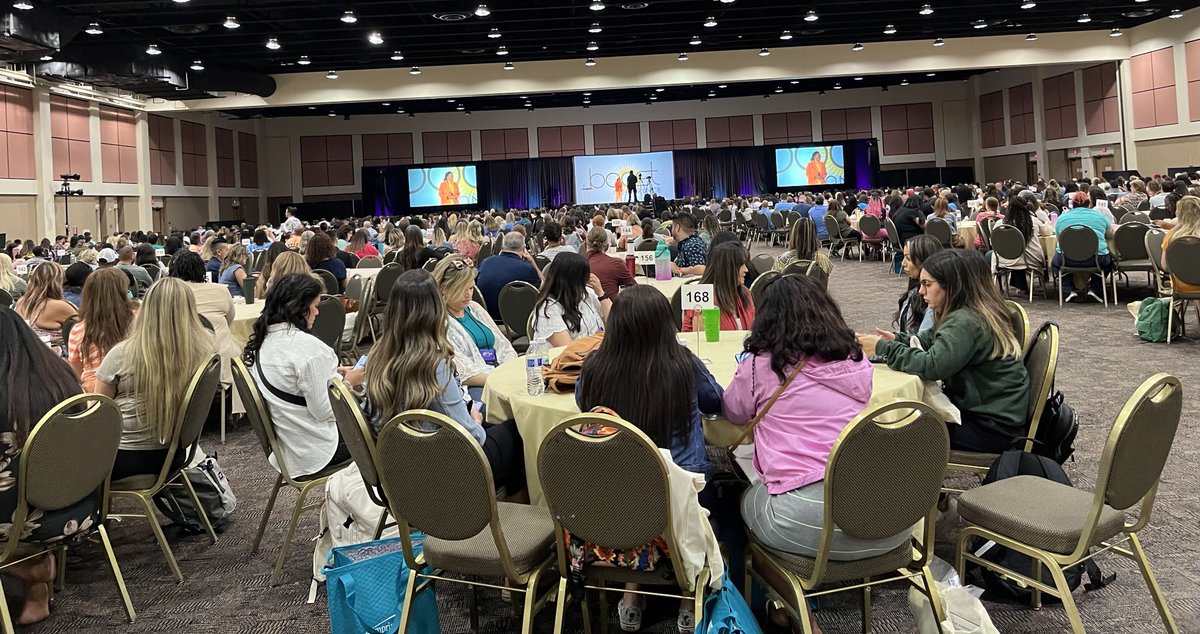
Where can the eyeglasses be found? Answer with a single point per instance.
(928, 283)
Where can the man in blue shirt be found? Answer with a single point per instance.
(692, 250)
(213, 266)
(1082, 216)
(512, 264)
(817, 213)
(784, 206)
(803, 204)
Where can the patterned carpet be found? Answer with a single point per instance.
(225, 589)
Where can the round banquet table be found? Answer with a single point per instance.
(365, 273)
(967, 230)
(243, 321)
(506, 396)
(667, 287)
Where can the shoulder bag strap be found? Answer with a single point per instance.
(283, 396)
(765, 408)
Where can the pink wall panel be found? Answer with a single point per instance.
(717, 131)
(1165, 110)
(1141, 72)
(1191, 52)
(572, 140)
(1143, 109)
(629, 137)
(247, 147)
(920, 115)
(226, 173)
(741, 130)
(374, 147)
(435, 145)
(662, 136)
(128, 158)
(799, 126)
(20, 156)
(858, 122)
(3, 155)
(340, 147)
(341, 173)
(312, 149)
(920, 141)
(166, 165)
(81, 159)
(893, 118)
(78, 127)
(1163, 63)
(314, 174)
(774, 128)
(18, 104)
(605, 138)
(895, 142)
(516, 141)
(126, 130)
(491, 143)
(684, 131)
(61, 151)
(1194, 100)
(110, 160)
(549, 141)
(58, 118)
(224, 143)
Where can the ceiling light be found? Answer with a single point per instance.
(779, 89)
(349, 18)
(494, 33)
(416, 70)
(653, 97)
(728, 1)
(331, 75)
(595, 28)
(591, 46)
(903, 82)
(811, 16)
(397, 56)
(858, 79)
(589, 62)
(587, 101)
(47, 57)
(857, 47)
(979, 24)
(596, 6)
(332, 114)
(460, 107)
(1084, 19)
(1029, 5)
(22, 5)
(695, 41)
(312, 107)
(231, 22)
(451, 100)
(786, 35)
(723, 86)
(482, 11)
(153, 50)
(889, 29)
(939, 42)
(712, 94)
(794, 82)
(682, 57)
(509, 66)
(837, 86)
(1032, 37)
(1175, 14)
(926, 9)
(303, 61)
(386, 104)
(528, 104)
(930, 74)
(273, 43)
(375, 37)
(659, 89)
(763, 52)
(710, 22)
(503, 50)
(1114, 33)
(94, 29)
(197, 65)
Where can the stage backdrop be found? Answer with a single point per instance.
(601, 179)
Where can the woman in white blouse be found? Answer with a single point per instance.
(572, 303)
(478, 344)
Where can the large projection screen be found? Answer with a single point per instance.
(602, 179)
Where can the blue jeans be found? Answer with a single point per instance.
(1095, 283)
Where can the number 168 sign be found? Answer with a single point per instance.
(698, 296)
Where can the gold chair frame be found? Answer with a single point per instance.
(349, 418)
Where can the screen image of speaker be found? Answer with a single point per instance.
(442, 186)
(810, 166)
(605, 179)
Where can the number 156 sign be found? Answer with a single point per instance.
(698, 296)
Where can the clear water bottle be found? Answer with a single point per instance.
(536, 357)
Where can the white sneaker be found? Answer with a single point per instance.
(1070, 298)
(1096, 297)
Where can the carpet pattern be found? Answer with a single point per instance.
(226, 589)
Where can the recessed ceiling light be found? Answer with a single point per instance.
(587, 94)
(494, 33)
(595, 28)
(375, 37)
(659, 89)
(22, 5)
(312, 107)
(1114, 33)
(779, 89)
(397, 56)
(903, 82)
(889, 29)
(591, 46)
(712, 94)
(231, 22)
(1030, 5)
(197, 65)
(153, 50)
(926, 9)
(979, 24)
(786, 35)
(682, 57)
(303, 61)
(710, 22)
(1175, 14)
(1084, 19)
(837, 86)
(596, 6)
(47, 57)
(482, 11)
(794, 82)
(723, 86)
(503, 50)
(858, 79)
(528, 104)
(273, 44)
(763, 52)
(332, 114)
(695, 41)
(939, 42)
(509, 66)
(94, 29)
(1032, 37)
(460, 107)
(653, 97)
(416, 70)
(587, 101)
(331, 75)
(931, 74)
(811, 16)
(386, 104)
(348, 17)
(589, 62)
(857, 47)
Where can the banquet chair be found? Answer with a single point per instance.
(516, 301)
(381, 286)
(760, 284)
(429, 265)
(436, 480)
(986, 226)
(477, 296)
(256, 260)
(1129, 250)
(1009, 243)
(357, 436)
(939, 229)
(881, 479)
(871, 226)
(1079, 244)
(354, 260)
(1058, 525)
(760, 226)
(1135, 216)
(390, 256)
(1159, 213)
(153, 271)
(1144, 205)
(1041, 364)
(894, 240)
(58, 469)
(1183, 260)
(798, 267)
(1020, 323)
(330, 282)
(762, 263)
(627, 465)
(264, 430)
(780, 226)
(485, 251)
(370, 262)
(67, 326)
(185, 434)
(1153, 242)
(541, 261)
(836, 241)
(359, 288)
(6, 300)
(330, 323)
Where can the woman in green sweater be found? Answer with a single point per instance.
(971, 349)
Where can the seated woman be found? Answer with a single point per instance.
(34, 380)
(971, 350)
(469, 240)
(233, 269)
(941, 210)
(571, 304)
(991, 209)
(912, 315)
(638, 363)
(73, 280)
(414, 254)
(479, 345)
(360, 245)
(290, 263)
(9, 282)
(291, 368)
(214, 304)
(726, 271)
(1022, 214)
(148, 374)
(1187, 224)
(803, 244)
(410, 367)
(43, 307)
(104, 320)
(611, 272)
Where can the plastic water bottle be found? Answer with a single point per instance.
(536, 357)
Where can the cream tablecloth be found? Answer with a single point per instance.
(506, 396)
(667, 287)
(967, 230)
(243, 321)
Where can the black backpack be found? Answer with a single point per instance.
(1056, 430)
(998, 588)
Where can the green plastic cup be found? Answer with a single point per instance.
(712, 324)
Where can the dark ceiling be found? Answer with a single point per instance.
(448, 32)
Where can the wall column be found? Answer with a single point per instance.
(1125, 106)
(143, 217)
(43, 171)
(210, 144)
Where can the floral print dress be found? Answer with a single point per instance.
(40, 526)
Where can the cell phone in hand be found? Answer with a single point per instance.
(362, 363)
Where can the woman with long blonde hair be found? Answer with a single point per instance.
(105, 315)
(233, 269)
(289, 263)
(148, 374)
(411, 367)
(479, 345)
(468, 245)
(9, 282)
(43, 307)
(1187, 216)
(460, 231)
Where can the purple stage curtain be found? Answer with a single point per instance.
(527, 183)
(721, 172)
